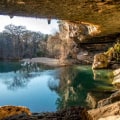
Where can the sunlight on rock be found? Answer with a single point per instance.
(92, 28)
(10, 111)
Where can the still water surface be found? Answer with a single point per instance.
(42, 88)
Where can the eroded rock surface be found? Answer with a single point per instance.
(10, 111)
(113, 117)
(105, 111)
(100, 61)
(116, 72)
(116, 80)
(74, 113)
(91, 100)
(113, 98)
(104, 13)
(78, 42)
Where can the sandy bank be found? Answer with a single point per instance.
(44, 60)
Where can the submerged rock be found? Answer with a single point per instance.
(100, 61)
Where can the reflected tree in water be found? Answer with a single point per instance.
(72, 88)
(53, 84)
(75, 84)
(17, 82)
(23, 76)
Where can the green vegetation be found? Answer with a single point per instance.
(113, 53)
(53, 46)
(116, 54)
(16, 42)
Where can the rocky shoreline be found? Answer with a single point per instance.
(22, 113)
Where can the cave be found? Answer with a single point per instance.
(87, 27)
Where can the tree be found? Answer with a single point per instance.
(17, 43)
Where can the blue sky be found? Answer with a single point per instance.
(33, 24)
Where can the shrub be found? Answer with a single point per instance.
(113, 53)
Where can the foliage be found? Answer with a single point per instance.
(116, 54)
(16, 43)
(54, 46)
(113, 53)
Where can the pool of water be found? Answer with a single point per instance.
(43, 89)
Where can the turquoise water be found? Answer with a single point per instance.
(42, 88)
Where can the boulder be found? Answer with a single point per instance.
(116, 72)
(100, 61)
(113, 98)
(105, 111)
(91, 100)
(10, 111)
(113, 117)
(116, 79)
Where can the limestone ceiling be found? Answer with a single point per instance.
(105, 13)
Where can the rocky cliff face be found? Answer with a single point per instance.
(80, 41)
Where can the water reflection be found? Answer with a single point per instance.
(78, 87)
(9, 66)
(16, 76)
(28, 86)
(48, 89)
(17, 82)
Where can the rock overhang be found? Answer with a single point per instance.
(104, 13)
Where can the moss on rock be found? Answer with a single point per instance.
(100, 61)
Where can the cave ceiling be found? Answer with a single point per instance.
(105, 13)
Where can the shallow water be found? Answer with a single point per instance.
(42, 88)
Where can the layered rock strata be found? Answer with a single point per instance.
(80, 42)
(103, 113)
